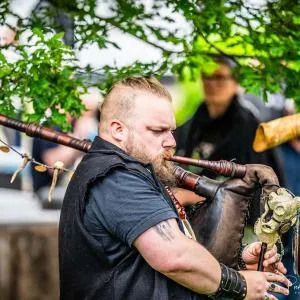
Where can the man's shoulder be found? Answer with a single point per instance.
(100, 162)
(248, 108)
(122, 176)
(256, 107)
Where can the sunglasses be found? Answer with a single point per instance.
(218, 77)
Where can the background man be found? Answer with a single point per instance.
(224, 126)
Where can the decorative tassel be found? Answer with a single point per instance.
(24, 162)
(182, 215)
(40, 168)
(71, 174)
(58, 166)
(4, 149)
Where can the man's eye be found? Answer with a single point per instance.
(157, 130)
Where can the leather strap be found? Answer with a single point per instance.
(232, 285)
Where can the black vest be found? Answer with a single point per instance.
(85, 272)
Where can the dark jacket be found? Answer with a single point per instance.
(85, 272)
(229, 137)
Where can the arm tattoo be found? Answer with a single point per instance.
(165, 231)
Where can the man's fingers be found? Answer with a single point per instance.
(253, 249)
(274, 264)
(277, 278)
(275, 288)
(271, 253)
(280, 268)
(257, 249)
(272, 260)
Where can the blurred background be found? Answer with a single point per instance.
(228, 66)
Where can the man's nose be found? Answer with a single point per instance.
(169, 141)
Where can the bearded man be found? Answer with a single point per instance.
(120, 233)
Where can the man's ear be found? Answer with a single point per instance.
(118, 130)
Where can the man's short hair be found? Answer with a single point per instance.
(225, 60)
(149, 84)
(120, 99)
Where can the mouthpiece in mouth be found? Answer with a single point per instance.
(168, 155)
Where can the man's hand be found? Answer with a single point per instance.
(271, 261)
(260, 284)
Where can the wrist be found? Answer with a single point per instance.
(232, 285)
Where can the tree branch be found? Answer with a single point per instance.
(117, 25)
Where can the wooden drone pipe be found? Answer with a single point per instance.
(45, 133)
(221, 167)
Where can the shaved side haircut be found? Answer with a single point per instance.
(119, 103)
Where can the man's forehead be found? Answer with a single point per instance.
(154, 104)
(159, 119)
(223, 68)
(148, 105)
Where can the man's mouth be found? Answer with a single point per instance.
(168, 154)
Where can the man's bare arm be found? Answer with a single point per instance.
(181, 259)
(188, 263)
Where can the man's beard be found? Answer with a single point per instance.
(163, 169)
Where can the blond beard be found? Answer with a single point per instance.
(163, 169)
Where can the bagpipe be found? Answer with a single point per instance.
(218, 222)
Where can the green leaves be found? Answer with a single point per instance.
(264, 41)
(42, 78)
(38, 32)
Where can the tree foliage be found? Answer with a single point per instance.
(263, 39)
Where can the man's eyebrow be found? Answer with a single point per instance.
(163, 127)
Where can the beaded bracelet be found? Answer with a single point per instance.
(232, 285)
